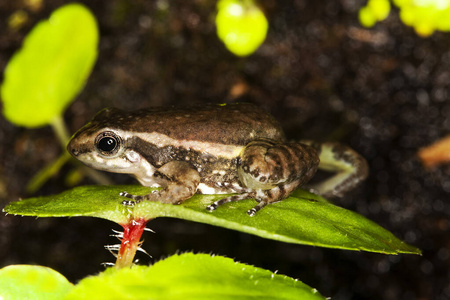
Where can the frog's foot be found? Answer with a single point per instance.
(235, 198)
(277, 194)
(349, 167)
(174, 194)
(256, 195)
(135, 199)
(263, 197)
(128, 202)
(258, 207)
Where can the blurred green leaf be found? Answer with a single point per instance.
(192, 276)
(425, 16)
(380, 8)
(32, 282)
(304, 218)
(366, 17)
(241, 26)
(376, 10)
(50, 69)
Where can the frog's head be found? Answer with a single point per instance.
(103, 146)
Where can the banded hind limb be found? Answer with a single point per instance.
(269, 171)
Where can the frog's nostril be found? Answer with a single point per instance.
(74, 152)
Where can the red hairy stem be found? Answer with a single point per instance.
(130, 242)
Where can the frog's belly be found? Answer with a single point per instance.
(218, 188)
(219, 181)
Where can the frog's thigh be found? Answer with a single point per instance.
(266, 164)
(179, 179)
(350, 168)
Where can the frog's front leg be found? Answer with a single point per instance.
(270, 171)
(179, 180)
(350, 168)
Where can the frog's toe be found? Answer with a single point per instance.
(252, 212)
(135, 198)
(125, 194)
(128, 202)
(212, 207)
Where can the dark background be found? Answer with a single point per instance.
(384, 91)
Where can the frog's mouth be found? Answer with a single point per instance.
(97, 161)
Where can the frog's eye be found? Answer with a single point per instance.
(108, 143)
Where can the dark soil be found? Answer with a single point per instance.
(384, 91)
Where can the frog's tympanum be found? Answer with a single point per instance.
(212, 149)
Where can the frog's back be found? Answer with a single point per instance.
(236, 124)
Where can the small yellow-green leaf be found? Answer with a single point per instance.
(380, 8)
(32, 282)
(50, 69)
(192, 276)
(241, 26)
(376, 10)
(366, 17)
(425, 16)
(303, 218)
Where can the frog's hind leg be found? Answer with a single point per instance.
(350, 168)
(269, 171)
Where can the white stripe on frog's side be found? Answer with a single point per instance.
(162, 140)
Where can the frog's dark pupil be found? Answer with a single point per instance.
(107, 144)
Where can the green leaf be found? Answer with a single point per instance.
(425, 16)
(241, 26)
(192, 276)
(380, 8)
(376, 10)
(366, 17)
(43, 77)
(304, 218)
(32, 282)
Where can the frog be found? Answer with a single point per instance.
(238, 149)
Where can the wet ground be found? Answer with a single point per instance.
(384, 91)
